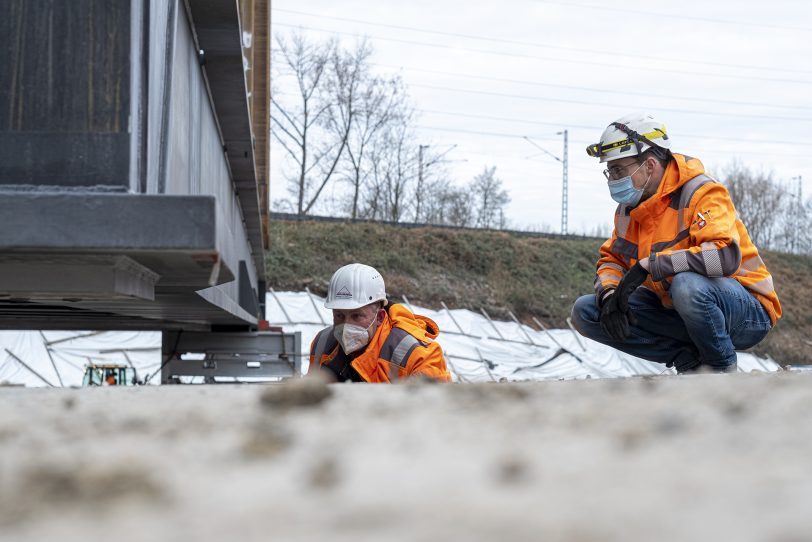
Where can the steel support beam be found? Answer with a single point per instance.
(257, 354)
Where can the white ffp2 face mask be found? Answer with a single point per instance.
(352, 337)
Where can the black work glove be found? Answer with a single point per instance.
(633, 278)
(615, 313)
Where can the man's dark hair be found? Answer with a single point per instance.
(656, 155)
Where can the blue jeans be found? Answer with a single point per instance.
(711, 318)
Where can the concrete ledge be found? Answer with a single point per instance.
(112, 261)
(71, 277)
(88, 221)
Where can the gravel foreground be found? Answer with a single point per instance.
(704, 457)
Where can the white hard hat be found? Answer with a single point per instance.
(354, 286)
(631, 135)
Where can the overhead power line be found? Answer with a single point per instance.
(579, 142)
(551, 59)
(596, 128)
(584, 102)
(283, 72)
(599, 128)
(593, 89)
(615, 9)
(538, 45)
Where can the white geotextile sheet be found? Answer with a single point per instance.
(71, 352)
(478, 349)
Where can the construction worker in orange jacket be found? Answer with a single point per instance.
(370, 342)
(679, 282)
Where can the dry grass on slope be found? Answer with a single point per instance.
(498, 271)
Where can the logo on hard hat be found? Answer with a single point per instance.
(344, 292)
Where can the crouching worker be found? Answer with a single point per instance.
(679, 282)
(370, 341)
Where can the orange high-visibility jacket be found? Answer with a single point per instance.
(403, 345)
(690, 224)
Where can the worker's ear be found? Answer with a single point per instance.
(648, 166)
(652, 164)
(380, 316)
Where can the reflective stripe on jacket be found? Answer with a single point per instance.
(690, 224)
(403, 346)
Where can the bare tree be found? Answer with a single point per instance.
(760, 202)
(393, 172)
(804, 228)
(431, 196)
(430, 174)
(372, 201)
(342, 122)
(451, 205)
(459, 208)
(339, 112)
(293, 123)
(794, 222)
(348, 87)
(601, 231)
(490, 199)
(409, 178)
(380, 103)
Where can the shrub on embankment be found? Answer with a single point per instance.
(529, 275)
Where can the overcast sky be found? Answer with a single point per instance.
(730, 79)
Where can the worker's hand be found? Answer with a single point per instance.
(614, 321)
(616, 316)
(633, 278)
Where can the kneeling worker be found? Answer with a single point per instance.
(369, 342)
(679, 282)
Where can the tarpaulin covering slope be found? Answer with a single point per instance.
(477, 349)
(480, 349)
(26, 356)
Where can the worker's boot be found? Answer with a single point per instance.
(700, 368)
(687, 364)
